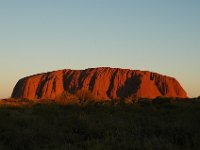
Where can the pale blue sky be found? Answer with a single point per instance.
(45, 35)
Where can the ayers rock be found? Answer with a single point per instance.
(104, 83)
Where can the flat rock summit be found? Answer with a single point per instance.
(104, 83)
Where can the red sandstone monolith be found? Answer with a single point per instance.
(104, 83)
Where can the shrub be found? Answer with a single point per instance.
(131, 99)
(161, 100)
(67, 98)
(144, 102)
(24, 100)
(84, 95)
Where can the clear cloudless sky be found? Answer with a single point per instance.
(45, 35)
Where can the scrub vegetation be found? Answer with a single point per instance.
(139, 124)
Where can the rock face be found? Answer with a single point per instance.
(104, 83)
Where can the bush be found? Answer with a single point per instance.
(84, 95)
(161, 100)
(24, 100)
(144, 102)
(131, 99)
(67, 98)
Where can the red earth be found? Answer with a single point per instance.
(104, 83)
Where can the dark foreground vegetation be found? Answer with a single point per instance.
(158, 124)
